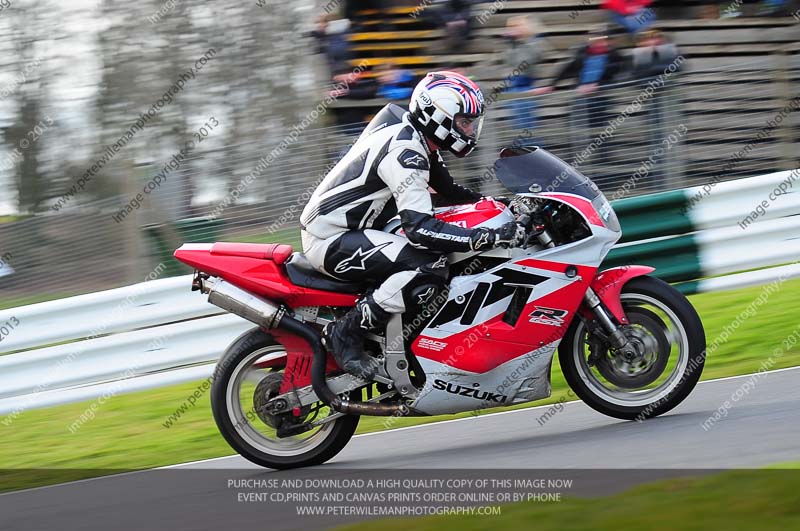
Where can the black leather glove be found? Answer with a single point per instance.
(509, 235)
(482, 239)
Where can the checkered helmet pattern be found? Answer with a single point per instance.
(438, 101)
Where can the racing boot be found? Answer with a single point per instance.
(345, 337)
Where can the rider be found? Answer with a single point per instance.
(387, 172)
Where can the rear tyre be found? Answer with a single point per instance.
(237, 390)
(670, 344)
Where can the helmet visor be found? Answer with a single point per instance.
(469, 125)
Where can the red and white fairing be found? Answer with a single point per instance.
(472, 343)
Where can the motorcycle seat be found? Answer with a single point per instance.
(303, 274)
(277, 252)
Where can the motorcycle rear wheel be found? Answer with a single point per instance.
(233, 395)
(671, 355)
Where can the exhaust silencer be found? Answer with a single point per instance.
(242, 303)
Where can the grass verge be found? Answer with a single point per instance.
(745, 499)
(127, 431)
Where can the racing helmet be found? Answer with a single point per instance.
(448, 108)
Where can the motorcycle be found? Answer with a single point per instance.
(629, 345)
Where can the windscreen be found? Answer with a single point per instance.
(534, 170)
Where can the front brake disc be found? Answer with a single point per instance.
(647, 334)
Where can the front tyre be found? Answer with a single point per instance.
(241, 385)
(669, 343)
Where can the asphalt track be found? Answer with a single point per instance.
(760, 427)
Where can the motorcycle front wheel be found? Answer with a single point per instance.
(669, 344)
(239, 388)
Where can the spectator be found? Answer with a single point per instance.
(395, 83)
(356, 86)
(525, 51)
(593, 64)
(526, 48)
(632, 15)
(333, 40)
(318, 33)
(652, 55)
(455, 17)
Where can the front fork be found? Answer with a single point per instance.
(616, 338)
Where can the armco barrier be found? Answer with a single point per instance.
(143, 305)
(160, 333)
(694, 233)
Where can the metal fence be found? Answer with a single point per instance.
(683, 129)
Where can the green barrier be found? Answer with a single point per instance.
(162, 239)
(653, 215)
(675, 259)
(676, 255)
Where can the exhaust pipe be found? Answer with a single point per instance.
(320, 385)
(242, 303)
(269, 315)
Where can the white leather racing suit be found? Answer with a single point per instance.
(387, 172)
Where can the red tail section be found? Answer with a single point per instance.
(257, 268)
